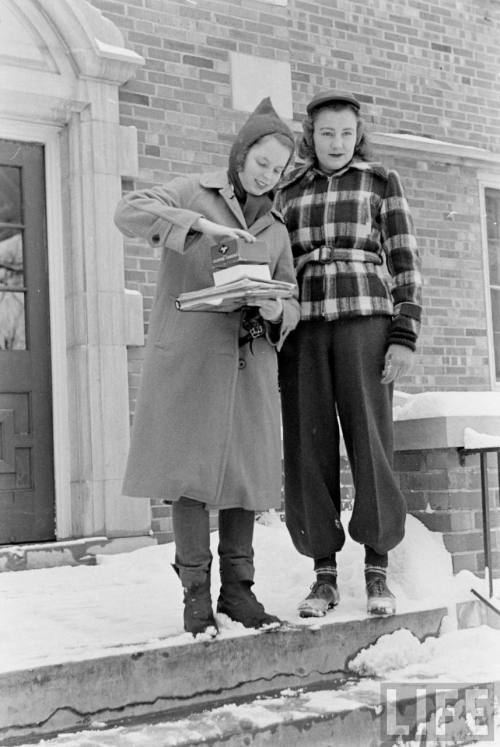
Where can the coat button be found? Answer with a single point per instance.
(241, 363)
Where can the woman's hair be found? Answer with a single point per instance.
(241, 155)
(306, 146)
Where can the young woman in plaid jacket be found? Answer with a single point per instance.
(358, 272)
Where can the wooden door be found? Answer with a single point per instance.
(27, 505)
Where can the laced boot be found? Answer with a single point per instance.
(237, 600)
(198, 613)
(380, 599)
(323, 596)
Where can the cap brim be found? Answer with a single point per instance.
(332, 99)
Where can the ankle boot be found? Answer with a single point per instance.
(380, 599)
(198, 613)
(237, 601)
(323, 596)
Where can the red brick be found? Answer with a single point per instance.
(446, 521)
(465, 561)
(463, 541)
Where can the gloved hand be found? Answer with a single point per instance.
(271, 309)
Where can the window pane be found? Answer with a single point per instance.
(10, 194)
(11, 258)
(493, 232)
(495, 313)
(12, 321)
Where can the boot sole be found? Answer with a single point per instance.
(308, 611)
(210, 632)
(248, 621)
(381, 610)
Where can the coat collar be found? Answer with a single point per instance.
(310, 172)
(219, 180)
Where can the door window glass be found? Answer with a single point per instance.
(12, 288)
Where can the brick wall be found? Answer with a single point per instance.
(424, 68)
(446, 497)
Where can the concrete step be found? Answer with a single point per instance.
(349, 714)
(166, 678)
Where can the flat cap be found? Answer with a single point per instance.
(331, 97)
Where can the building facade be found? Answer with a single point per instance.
(102, 96)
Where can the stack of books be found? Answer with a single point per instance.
(241, 278)
(236, 259)
(231, 296)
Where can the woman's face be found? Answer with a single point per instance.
(264, 164)
(334, 138)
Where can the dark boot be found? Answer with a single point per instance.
(237, 601)
(198, 613)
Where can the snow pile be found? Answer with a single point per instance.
(475, 440)
(446, 404)
(471, 655)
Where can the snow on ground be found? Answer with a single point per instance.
(135, 600)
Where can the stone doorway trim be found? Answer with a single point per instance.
(59, 79)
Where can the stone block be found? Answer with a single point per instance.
(254, 77)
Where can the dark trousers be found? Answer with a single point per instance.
(325, 368)
(193, 557)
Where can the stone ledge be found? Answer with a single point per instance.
(67, 552)
(163, 679)
(441, 432)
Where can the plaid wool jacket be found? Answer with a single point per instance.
(354, 246)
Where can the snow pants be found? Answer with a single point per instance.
(193, 557)
(327, 368)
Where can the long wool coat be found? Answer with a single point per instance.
(207, 421)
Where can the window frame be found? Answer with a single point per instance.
(488, 181)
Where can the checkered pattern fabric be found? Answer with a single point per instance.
(354, 246)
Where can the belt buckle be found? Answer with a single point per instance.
(326, 255)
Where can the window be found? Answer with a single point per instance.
(12, 287)
(492, 206)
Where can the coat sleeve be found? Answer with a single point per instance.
(276, 333)
(403, 262)
(159, 214)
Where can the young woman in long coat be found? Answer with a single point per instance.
(206, 431)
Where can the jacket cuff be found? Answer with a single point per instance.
(277, 331)
(170, 235)
(404, 331)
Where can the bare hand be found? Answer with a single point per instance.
(398, 362)
(271, 309)
(218, 231)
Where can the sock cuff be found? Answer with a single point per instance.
(376, 569)
(330, 570)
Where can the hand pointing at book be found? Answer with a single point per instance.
(218, 231)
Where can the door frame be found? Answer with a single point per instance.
(48, 136)
(68, 102)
